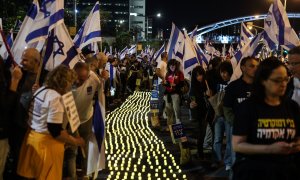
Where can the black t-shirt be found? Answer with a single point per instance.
(264, 124)
(236, 92)
(221, 86)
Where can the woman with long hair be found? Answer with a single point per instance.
(266, 129)
(173, 82)
(42, 151)
(199, 89)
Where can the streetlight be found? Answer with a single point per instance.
(250, 27)
(158, 15)
(75, 12)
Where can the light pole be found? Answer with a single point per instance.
(75, 14)
(158, 15)
(250, 26)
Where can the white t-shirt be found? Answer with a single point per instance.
(47, 108)
(83, 97)
(162, 65)
(296, 93)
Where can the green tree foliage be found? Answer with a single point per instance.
(122, 40)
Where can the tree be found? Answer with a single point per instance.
(122, 40)
(11, 11)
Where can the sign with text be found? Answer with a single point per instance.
(177, 133)
(154, 104)
(71, 111)
(154, 94)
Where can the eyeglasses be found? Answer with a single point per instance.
(280, 80)
(293, 63)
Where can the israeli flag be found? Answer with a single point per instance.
(60, 49)
(132, 49)
(157, 55)
(50, 14)
(9, 39)
(96, 157)
(20, 44)
(231, 50)
(17, 25)
(193, 34)
(245, 36)
(94, 47)
(278, 27)
(203, 58)
(123, 53)
(190, 58)
(250, 49)
(210, 48)
(90, 30)
(175, 47)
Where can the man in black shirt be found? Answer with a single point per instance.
(294, 67)
(239, 90)
(30, 65)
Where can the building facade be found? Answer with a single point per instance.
(114, 14)
(137, 18)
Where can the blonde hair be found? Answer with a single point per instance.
(59, 79)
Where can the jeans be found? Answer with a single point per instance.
(173, 109)
(161, 101)
(4, 148)
(222, 125)
(208, 137)
(85, 131)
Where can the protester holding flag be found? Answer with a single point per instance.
(42, 151)
(86, 86)
(174, 81)
(30, 63)
(266, 129)
(8, 97)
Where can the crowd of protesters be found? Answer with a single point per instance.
(258, 113)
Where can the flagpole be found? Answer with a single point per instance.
(281, 52)
(37, 80)
(7, 47)
(101, 45)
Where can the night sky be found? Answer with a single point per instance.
(189, 13)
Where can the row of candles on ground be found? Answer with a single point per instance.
(134, 151)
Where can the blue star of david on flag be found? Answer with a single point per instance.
(44, 8)
(268, 23)
(60, 47)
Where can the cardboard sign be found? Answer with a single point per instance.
(154, 104)
(154, 95)
(177, 133)
(71, 111)
(138, 82)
